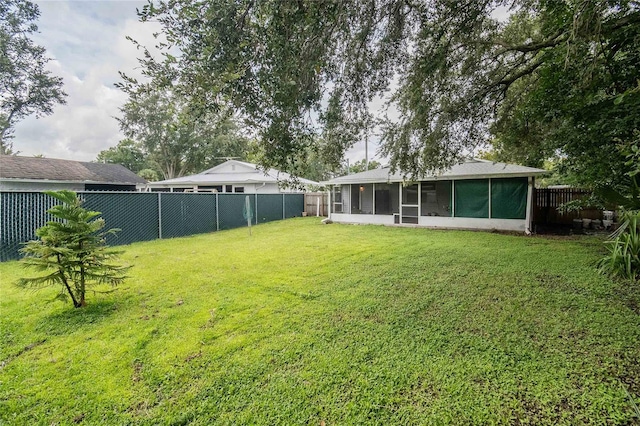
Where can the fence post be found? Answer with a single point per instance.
(283, 215)
(160, 215)
(217, 214)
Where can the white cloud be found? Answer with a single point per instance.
(88, 41)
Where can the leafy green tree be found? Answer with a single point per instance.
(176, 139)
(71, 251)
(26, 87)
(149, 175)
(362, 166)
(127, 153)
(555, 78)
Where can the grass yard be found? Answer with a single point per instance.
(304, 323)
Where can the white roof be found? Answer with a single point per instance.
(231, 172)
(470, 169)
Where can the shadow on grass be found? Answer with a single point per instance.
(71, 319)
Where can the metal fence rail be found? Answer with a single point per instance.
(143, 216)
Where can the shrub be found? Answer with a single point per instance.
(72, 251)
(623, 259)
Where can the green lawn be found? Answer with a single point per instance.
(304, 323)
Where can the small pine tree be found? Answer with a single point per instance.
(72, 251)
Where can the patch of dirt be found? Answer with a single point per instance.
(137, 371)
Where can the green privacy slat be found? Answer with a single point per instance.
(230, 210)
(135, 214)
(187, 214)
(269, 207)
(293, 205)
(509, 198)
(21, 213)
(472, 198)
(139, 215)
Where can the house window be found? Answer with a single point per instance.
(212, 188)
(239, 189)
(435, 198)
(228, 188)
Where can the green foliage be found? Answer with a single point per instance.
(361, 166)
(71, 251)
(558, 78)
(26, 86)
(355, 325)
(583, 95)
(623, 259)
(128, 153)
(149, 174)
(173, 137)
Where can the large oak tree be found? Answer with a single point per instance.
(555, 78)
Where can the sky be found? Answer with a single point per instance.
(87, 43)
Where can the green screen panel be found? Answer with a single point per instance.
(187, 214)
(509, 198)
(231, 208)
(293, 205)
(472, 198)
(270, 207)
(135, 214)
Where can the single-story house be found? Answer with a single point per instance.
(231, 176)
(19, 173)
(477, 194)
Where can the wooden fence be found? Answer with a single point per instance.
(316, 204)
(546, 202)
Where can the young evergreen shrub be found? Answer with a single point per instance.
(72, 251)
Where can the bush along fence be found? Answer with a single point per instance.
(143, 216)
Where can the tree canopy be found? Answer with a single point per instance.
(172, 138)
(555, 78)
(26, 87)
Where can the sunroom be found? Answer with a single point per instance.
(476, 194)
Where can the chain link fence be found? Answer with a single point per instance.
(143, 216)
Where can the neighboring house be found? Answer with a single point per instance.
(230, 176)
(476, 194)
(51, 174)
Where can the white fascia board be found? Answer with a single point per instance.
(436, 178)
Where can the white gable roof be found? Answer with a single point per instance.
(470, 169)
(232, 172)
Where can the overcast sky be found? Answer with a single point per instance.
(86, 40)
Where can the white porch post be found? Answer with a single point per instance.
(373, 207)
(453, 198)
(419, 200)
(529, 212)
(400, 201)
